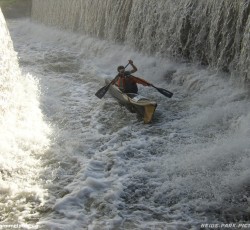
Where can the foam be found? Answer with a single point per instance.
(105, 169)
(24, 137)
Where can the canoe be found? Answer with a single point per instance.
(135, 103)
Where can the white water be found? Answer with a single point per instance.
(24, 137)
(104, 169)
(211, 32)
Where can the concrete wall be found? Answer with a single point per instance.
(16, 8)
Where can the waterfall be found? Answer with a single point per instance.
(23, 137)
(210, 32)
(105, 169)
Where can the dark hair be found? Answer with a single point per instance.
(120, 67)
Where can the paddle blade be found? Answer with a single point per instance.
(164, 92)
(101, 92)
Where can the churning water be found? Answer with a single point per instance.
(71, 161)
(24, 138)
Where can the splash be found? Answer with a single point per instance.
(190, 167)
(210, 32)
(24, 137)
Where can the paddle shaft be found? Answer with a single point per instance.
(162, 91)
(101, 92)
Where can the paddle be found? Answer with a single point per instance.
(101, 92)
(162, 91)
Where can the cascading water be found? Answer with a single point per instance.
(24, 137)
(208, 31)
(103, 168)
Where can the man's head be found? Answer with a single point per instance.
(121, 69)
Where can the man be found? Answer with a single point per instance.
(126, 82)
